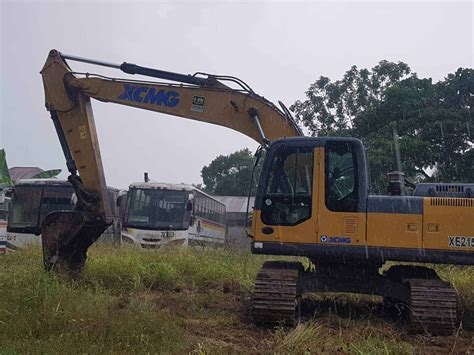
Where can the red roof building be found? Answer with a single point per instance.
(24, 172)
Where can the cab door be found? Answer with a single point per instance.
(343, 194)
(285, 210)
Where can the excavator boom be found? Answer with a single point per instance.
(67, 236)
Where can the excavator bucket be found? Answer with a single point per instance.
(66, 237)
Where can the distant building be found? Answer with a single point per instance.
(24, 172)
(236, 212)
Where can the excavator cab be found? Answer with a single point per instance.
(313, 201)
(306, 180)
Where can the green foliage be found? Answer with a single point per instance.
(332, 107)
(4, 174)
(230, 175)
(393, 111)
(47, 174)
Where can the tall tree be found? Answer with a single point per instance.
(332, 107)
(230, 175)
(398, 115)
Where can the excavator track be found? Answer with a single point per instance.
(275, 299)
(433, 306)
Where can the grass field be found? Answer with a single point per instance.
(191, 301)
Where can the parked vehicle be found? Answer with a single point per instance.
(160, 213)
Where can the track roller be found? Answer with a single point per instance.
(275, 300)
(433, 306)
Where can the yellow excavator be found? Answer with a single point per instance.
(312, 198)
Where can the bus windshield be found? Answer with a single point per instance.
(157, 209)
(31, 204)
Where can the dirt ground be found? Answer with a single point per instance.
(220, 320)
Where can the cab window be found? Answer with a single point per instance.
(341, 177)
(288, 196)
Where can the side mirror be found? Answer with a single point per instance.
(189, 206)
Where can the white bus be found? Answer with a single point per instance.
(160, 213)
(33, 199)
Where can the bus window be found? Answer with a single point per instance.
(24, 212)
(139, 206)
(55, 199)
(154, 208)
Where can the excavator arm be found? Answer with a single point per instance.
(67, 235)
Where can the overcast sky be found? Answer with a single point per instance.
(278, 48)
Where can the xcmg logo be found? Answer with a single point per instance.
(147, 95)
(336, 239)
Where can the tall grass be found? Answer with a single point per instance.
(112, 307)
(462, 279)
(333, 335)
(180, 301)
(40, 313)
(126, 270)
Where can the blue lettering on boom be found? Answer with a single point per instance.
(147, 95)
